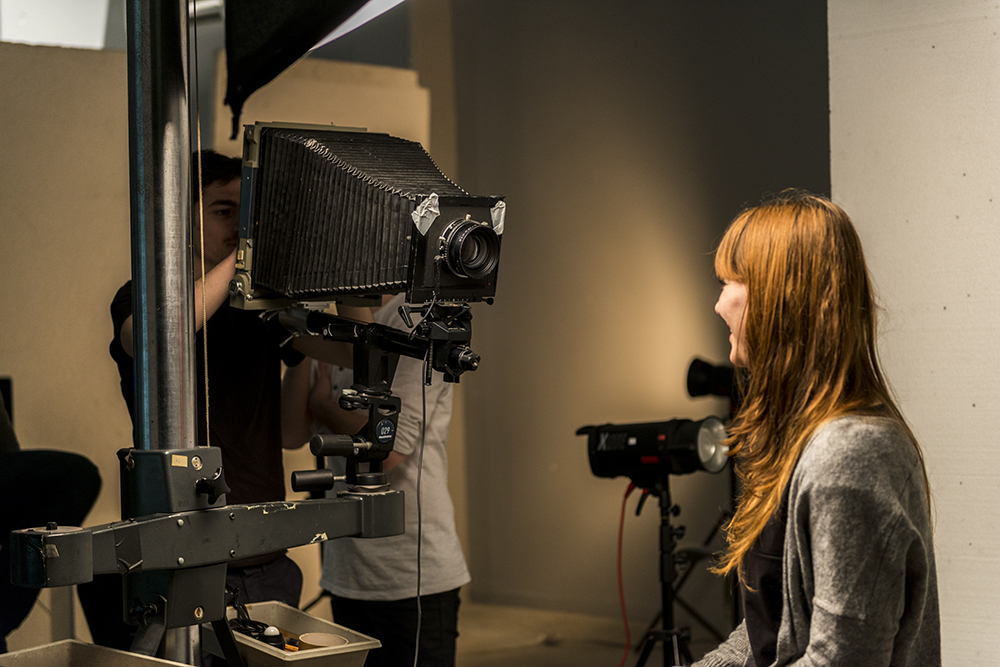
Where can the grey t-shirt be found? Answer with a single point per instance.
(385, 568)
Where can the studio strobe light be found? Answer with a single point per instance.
(648, 452)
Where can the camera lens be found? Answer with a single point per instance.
(471, 249)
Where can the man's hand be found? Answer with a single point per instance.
(325, 407)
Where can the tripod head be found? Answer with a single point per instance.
(441, 338)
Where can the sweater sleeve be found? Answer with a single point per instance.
(734, 652)
(859, 524)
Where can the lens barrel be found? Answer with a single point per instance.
(471, 249)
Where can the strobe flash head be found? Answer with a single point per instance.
(648, 452)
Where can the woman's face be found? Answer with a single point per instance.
(732, 307)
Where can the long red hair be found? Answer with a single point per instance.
(810, 341)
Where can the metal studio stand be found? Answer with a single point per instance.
(675, 640)
(178, 533)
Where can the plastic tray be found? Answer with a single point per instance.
(74, 653)
(292, 622)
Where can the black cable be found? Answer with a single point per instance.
(243, 623)
(420, 470)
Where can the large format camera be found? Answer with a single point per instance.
(328, 213)
(332, 214)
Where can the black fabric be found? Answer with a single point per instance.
(244, 375)
(279, 580)
(103, 602)
(8, 439)
(264, 38)
(7, 390)
(762, 599)
(36, 487)
(394, 623)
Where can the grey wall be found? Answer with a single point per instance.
(915, 160)
(624, 136)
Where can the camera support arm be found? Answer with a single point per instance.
(178, 534)
(60, 556)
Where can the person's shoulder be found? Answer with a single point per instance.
(124, 292)
(856, 447)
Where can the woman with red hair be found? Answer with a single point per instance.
(831, 537)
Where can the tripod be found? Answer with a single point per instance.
(677, 646)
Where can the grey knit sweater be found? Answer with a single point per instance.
(859, 583)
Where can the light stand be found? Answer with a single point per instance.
(677, 647)
(648, 454)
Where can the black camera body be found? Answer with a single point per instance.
(328, 213)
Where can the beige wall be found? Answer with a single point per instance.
(915, 146)
(604, 296)
(624, 136)
(64, 216)
(64, 252)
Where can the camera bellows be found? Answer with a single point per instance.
(332, 213)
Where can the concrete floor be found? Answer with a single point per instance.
(497, 636)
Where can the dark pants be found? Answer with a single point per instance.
(394, 623)
(279, 580)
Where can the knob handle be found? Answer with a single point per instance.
(214, 486)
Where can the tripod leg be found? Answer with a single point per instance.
(647, 648)
(686, 654)
(224, 633)
(148, 637)
(649, 628)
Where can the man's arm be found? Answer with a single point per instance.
(302, 404)
(216, 293)
(325, 408)
(334, 353)
(295, 417)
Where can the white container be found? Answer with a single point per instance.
(74, 653)
(292, 622)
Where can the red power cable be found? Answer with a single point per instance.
(621, 587)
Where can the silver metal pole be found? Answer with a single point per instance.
(162, 288)
(159, 162)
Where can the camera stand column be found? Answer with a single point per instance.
(675, 640)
